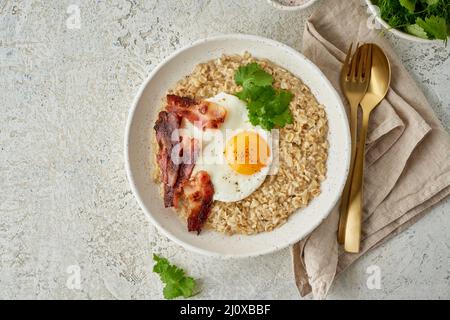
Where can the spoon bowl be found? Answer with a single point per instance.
(380, 79)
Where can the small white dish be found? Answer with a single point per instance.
(277, 4)
(375, 11)
(138, 147)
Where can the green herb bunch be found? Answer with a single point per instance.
(267, 106)
(427, 19)
(176, 282)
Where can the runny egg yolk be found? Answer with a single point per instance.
(247, 153)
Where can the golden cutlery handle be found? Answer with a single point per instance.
(346, 193)
(355, 208)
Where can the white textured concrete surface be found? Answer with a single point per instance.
(64, 200)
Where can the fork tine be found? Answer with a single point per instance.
(346, 67)
(355, 59)
(362, 63)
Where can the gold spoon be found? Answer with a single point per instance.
(380, 79)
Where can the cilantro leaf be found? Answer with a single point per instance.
(285, 117)
(252, 74)
(176, 282)
(394, 13)
(417, 31)
(434, 26)
(267, 107)
(281, 102)
(431, 2)
(253, 92)
(243, 73)
(408, 4)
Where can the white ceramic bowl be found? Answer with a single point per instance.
(138, 147)
(375, 11)
(280, 6)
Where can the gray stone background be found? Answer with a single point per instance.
(65, 201)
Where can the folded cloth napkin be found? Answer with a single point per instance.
(408, 151)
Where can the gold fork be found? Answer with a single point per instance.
(355, 76)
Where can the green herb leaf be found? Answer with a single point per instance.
(267, 107)
(417, 31)
(281, 102)
(252, 74)
(281, 119)
(177, 284)
(431, 2)
(409, 4)
(434, 26)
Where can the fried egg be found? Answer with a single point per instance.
(237, 156)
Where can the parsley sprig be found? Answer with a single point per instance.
(428, 19)
(267, 106)
(176, 282)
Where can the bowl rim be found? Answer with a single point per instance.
(398, 33)
(133, 185)
(283, 7)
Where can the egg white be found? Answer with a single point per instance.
(229, 186)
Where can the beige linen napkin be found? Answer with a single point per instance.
(408, 152)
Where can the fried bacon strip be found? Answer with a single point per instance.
(198, 194)
(166, 124)
(189, 153)
(175, 171)
(203, 114)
